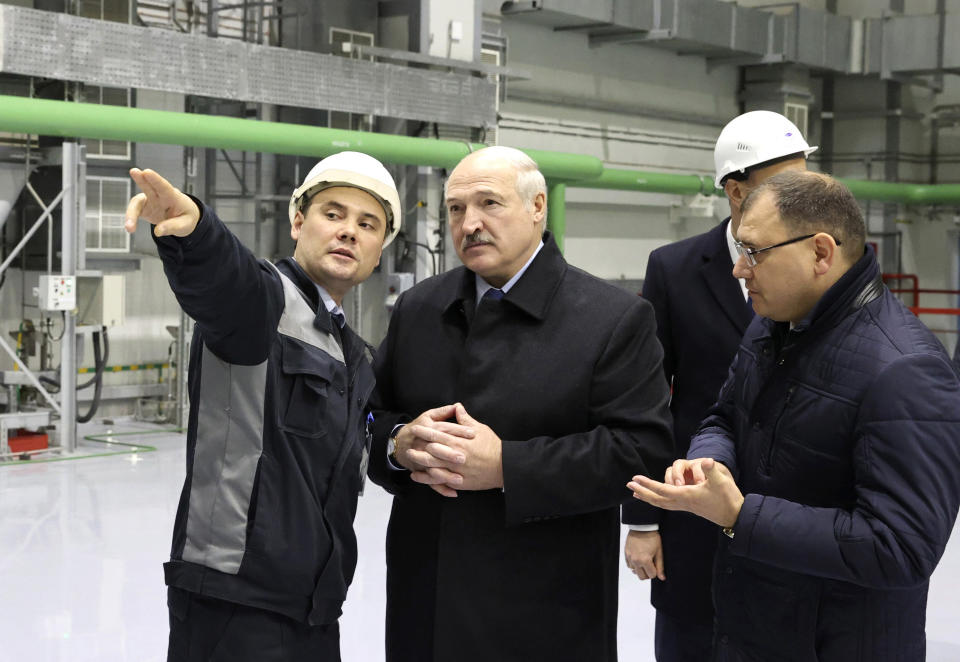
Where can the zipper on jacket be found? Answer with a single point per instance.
(776, 428)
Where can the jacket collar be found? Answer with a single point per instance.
(717, 272)
(860, 285)
(855, 289)
(308, 289)
(531, 294)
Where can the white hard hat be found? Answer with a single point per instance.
(753, 138)
(359, 171)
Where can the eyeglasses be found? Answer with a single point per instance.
(750, 253)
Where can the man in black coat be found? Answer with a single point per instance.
(829, 459)
(702, 312)
(512, 389)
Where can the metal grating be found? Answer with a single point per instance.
(52, 45)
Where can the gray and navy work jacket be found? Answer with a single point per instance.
(277, 439)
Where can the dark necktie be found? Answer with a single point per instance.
(493, 294)
(338, 319)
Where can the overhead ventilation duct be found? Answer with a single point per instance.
(911, 45)
(59, 46)
(813, 38)
(709, 28)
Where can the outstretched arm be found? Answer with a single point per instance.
(236, 300)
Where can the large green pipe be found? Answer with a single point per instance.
(78, 120)
(660, 182)
(652, 182)
(909, 194)
(81, 120)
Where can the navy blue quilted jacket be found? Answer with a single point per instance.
(843, 435)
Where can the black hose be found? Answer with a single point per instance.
(96, 363)
(106, 356)
(100, 362)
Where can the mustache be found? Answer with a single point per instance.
(475, 239)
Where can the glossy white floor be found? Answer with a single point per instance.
(82, 543)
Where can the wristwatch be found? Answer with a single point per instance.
(727, 531)
(392, 444)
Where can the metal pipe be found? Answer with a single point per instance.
(864, 189)
(908, 194)
(557, 213)
(69, 119)
(68, 267)
(651, 182)
(80, 120)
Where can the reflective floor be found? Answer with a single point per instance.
(82, 542)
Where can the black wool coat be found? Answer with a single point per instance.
(701, 316)
(566, 369)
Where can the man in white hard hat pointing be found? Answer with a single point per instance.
(702, 312)
(277, 444)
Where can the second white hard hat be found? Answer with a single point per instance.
(360, 171)
(753, 138)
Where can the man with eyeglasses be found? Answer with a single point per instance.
(829, 460)
(702, 312)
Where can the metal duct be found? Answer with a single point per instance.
(710, 28)
(64, 47)
(911, 45)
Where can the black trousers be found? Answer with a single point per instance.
(206, 629)
(677, 640)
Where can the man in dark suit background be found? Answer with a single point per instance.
(702, 312)
(519, 385)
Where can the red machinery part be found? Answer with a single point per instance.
(22, 441)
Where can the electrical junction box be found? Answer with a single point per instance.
(57, 292)
(100, 300)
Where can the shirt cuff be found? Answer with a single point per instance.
(644, 527)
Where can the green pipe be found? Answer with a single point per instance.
(932, 194)
(557, 212)
(908, 194)
(82, 120)
(651, 182)
(79, 120)
(659, 182)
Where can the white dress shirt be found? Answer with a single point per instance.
(734, 256)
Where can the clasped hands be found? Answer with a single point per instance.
(703, 487)
(450, 456)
